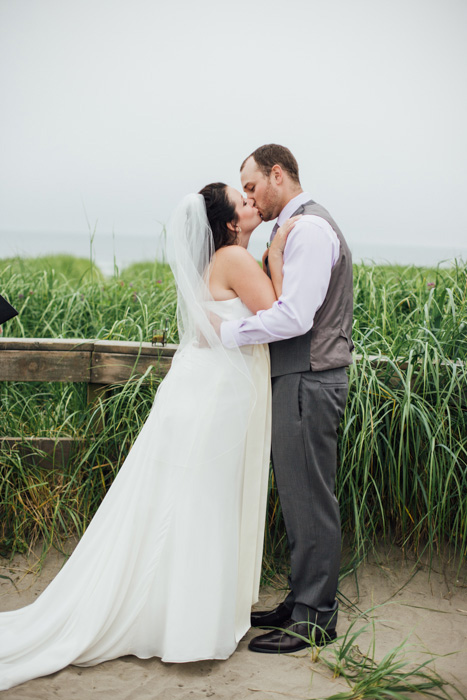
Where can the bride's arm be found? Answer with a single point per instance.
(276, 253)
(239, 271)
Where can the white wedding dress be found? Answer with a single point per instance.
(170, 564)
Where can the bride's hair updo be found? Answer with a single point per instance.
(220, 212)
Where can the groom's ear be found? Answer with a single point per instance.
(277, 174)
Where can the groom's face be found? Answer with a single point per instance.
(261, 189)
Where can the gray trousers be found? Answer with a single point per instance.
(307, 408)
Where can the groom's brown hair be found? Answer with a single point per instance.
(272, 154)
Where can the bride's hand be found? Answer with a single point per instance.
(280, 239)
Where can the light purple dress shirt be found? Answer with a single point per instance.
(311, 251)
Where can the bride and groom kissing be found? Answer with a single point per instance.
(170, 564)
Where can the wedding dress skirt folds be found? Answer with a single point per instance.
(170, 564)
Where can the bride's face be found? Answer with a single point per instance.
(248, 217)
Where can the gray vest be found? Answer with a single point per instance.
(328, 344)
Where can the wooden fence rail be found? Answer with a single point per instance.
(92, 361)
(98, 363)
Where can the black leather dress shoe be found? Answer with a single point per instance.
(285, 642)
(271, 618)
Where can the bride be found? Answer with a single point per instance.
(170, 564)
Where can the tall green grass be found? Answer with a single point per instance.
(60, 300)
(39, 503)
(400, 309)
(403, 440)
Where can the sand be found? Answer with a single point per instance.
(430, 606)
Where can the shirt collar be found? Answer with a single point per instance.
(292, 206)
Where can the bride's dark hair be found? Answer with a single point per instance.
(220, 212)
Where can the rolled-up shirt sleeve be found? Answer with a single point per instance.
(311, 251)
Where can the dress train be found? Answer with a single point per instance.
(170, 564)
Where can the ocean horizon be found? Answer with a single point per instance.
(120, 250)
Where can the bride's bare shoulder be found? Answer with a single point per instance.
(232, 253)
(235, 269)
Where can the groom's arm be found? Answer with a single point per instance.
(312, 250)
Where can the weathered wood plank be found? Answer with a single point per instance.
(56, 451)
(63, 360)
(61, 344)
(114, 368)
(127, 347)
(45, 366)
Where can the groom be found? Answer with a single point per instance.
(309, 331)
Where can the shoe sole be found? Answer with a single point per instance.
(280, 651)
(304, 645)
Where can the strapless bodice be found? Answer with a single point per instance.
(229, 309)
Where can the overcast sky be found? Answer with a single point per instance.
(115, 109)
